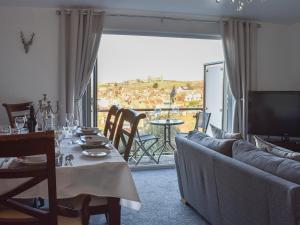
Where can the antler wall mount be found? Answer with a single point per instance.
(25, 43)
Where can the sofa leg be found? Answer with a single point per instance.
(183, 201)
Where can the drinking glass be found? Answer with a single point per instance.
(20, 122)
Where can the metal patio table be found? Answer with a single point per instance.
(166, 123)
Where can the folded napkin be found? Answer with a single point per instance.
(6, 162)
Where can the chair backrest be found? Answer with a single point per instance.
(111, 122)
(25, 145)
(202, 121)
(132, 119)
(14, 110)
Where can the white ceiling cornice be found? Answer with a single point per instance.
(274, 11)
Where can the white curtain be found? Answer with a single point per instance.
(240, 50)
(80, 36)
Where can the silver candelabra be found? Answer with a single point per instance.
(46, 112)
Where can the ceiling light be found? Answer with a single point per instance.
(240, 4)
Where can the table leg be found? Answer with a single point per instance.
(169, 138)
(114, 211)
(166, 141)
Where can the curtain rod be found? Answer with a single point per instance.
(172, 18)
(161, 18)
(164, 18)
(84, 11)
(68, 11)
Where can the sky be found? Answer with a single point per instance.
(130, 57)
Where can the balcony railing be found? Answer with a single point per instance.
(163, 109)
(185, 114)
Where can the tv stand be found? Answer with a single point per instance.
(286, 143)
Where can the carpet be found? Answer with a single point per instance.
(159, 193)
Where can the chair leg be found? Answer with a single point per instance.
(85, 214)
(106, 217)
(114, 211)
(146, 151)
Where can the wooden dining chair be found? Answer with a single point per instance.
(111, 122)
(15, 212)
(126, 130)
(14, 110)
(108, 205)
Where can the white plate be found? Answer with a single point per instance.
(94, 139)
(88, 130)
(96, 153)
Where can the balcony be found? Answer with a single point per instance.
(187, 115)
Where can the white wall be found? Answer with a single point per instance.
(27, 76)
(294, 32)
(278, 54)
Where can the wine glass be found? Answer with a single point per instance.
(175, 110)
(69, 120)
(59, 136)
(74, 127)
(5, 130)
(20, 122)
(157, 111)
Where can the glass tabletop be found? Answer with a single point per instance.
(167, 122)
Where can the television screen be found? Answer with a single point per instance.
(274, 113)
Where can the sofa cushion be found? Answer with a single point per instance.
(276, 150)
(248, 153)
(221, 134)
(223, 146)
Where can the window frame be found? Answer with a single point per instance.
(89, 104)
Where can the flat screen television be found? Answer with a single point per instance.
(274, 113)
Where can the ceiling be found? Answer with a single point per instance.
(276, 11)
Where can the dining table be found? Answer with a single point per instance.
(109, 176)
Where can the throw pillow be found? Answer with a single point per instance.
(248, 153)
(223, 146)
(221, 134)
(195, 135)
(276, 150)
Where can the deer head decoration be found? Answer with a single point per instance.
(25, 43)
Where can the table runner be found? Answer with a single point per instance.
(103, 177)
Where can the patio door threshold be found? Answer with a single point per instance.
(151, 167)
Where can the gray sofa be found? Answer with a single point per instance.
(226, 191)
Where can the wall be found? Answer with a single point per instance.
(294, 32)
(275, 58)
(27, 76)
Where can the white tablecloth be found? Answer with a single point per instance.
(103, 177)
